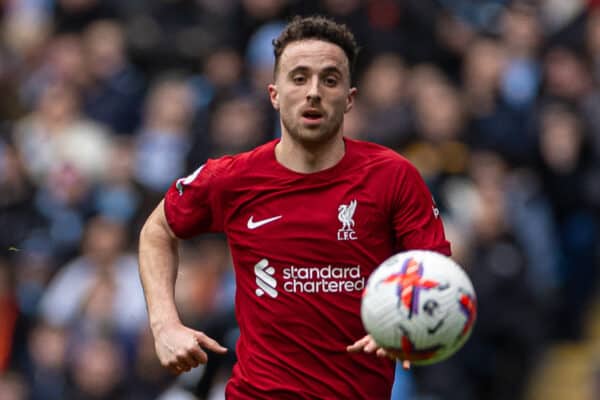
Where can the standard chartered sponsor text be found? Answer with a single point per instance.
(327, 279)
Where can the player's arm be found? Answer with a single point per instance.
(178, 347)
(416, 219)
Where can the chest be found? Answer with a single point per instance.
(310, 223)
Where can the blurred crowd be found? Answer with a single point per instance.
(103, 103)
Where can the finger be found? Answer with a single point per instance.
(183, 362)
(355, 347)
(358, 345)
(210, 343)
(198, 356)
(393, 355)
(172, 365)
(381, 352)
(371, 346)
(175, 369)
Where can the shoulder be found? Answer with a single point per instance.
(220, 174)
(378, 156)
(383, 167)
(238, 165)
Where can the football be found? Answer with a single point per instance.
(420, 302)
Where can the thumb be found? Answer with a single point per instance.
(209, 343)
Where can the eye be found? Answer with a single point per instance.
(299, 79)
(331, 81)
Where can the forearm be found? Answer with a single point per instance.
(158, 260)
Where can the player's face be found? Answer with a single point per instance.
(312, 91)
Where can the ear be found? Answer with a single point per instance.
(350, 98)
(274, 96)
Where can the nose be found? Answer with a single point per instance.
(314, 93)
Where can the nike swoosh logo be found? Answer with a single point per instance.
(433, 330)
(257, 224)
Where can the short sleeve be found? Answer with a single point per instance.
(416, 218)
(190, 202)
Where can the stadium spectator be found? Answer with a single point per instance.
(119, 196)
(164, 140)
(495, 124)
(521, 32)
(237, 125)
(98, 290)
(56, 136)
(63, 60)
(17, 193)
(48, 363)
(384, 95)
(114, 93)
(222, 77)
(103, 379)
(566, 163)
(13, 387)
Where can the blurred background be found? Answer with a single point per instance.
(103, 103)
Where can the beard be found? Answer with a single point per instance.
(315, 135)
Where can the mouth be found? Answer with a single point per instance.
(312, 116)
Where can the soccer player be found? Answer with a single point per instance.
(308, 217)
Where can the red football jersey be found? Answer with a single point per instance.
(303, 246)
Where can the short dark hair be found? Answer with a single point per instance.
(320, 28)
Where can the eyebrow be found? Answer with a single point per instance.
(326, 70)
(298, 69)
(331, 69)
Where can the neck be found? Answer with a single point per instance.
(306, 158)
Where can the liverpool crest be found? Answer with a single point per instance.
(346, 217)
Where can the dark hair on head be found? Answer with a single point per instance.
(320, 28)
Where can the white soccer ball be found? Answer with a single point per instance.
(420, 302)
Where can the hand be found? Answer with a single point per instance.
(180, 348)
(368, 345)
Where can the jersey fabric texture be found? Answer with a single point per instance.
(303, 246)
